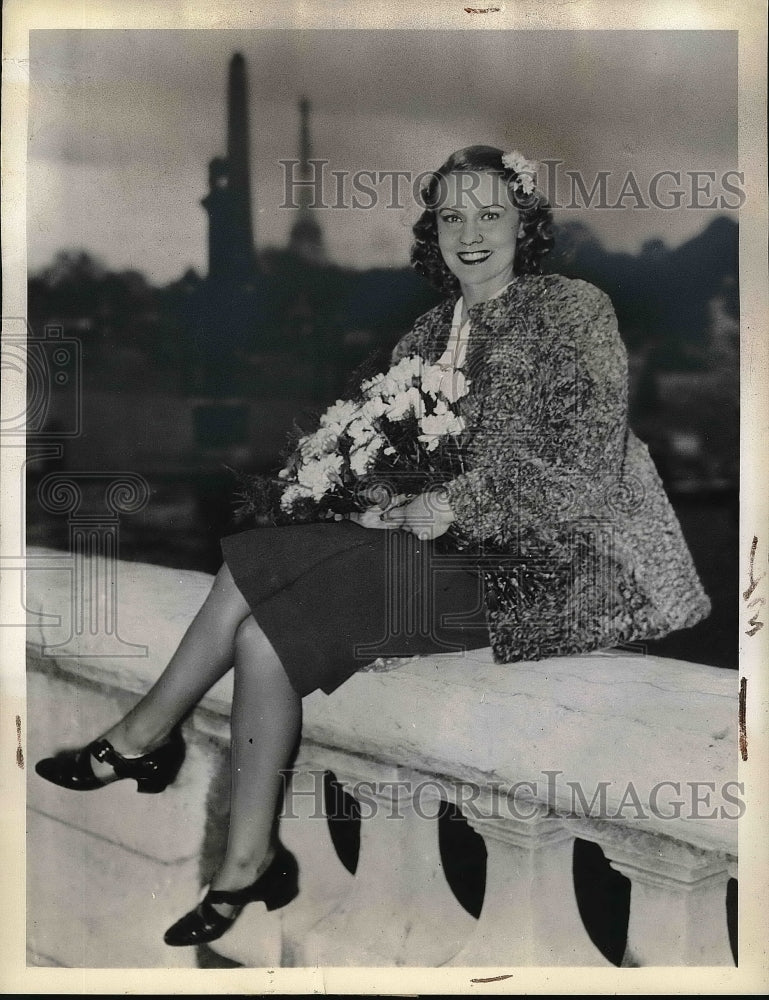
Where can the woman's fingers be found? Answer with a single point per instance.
(377, 517)
(427, 516)
(422, 516)
(393, 516)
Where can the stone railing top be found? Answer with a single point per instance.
(633, 722)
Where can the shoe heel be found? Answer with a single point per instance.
(287, 888)
(152, 786)
(276, 900)
(168, 763)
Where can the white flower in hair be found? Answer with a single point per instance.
(526, 170)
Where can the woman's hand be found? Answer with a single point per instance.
(384, 515)
(426, 516)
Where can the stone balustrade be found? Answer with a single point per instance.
(633, 753)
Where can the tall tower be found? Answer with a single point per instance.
(231, 256)
(306, 238)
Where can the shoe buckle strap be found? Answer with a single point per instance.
(104, 752)
(233, 897)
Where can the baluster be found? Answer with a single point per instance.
(324, 880)
(400, 910)
(530, 915)
(677, 897)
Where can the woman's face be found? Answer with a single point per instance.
(478, 228)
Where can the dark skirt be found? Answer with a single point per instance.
(334, 597)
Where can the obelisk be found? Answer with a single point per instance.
(231, 257)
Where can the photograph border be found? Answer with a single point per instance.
(749, 19)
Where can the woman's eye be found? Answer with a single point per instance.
(450, 218)
(491, 216)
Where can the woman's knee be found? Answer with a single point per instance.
(225, 595)
(223, 581)
(253, 648)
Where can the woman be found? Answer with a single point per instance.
(572, 547)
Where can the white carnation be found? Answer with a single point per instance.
(404, 403)
(408, 368)
(293, 493)
(526, 170)
(373, 408)
(444, 381)
(526, 184)
(438, 425)
(361, 431)
(339, 415)
(515, 161)
(371, 383)
(363, 457)
(320, 474)
(432, 377)
(320, 442)
(392, 386)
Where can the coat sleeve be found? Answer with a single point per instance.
(550, 443)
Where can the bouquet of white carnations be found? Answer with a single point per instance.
(400, 436)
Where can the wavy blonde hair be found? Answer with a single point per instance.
(534, 243)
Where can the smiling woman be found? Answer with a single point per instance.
(478, 229)
(567, 540)
(483, 223)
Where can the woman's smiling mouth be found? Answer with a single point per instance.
(474, 256)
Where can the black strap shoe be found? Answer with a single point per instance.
(276, 886)
(153, 772)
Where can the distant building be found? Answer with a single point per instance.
(232, 257)
(306, 239)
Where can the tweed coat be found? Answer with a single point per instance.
(582, 547)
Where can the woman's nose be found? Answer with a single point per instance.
(470, 234)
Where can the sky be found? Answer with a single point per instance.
(123, 123)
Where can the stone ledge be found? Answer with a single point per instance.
(603, 717)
